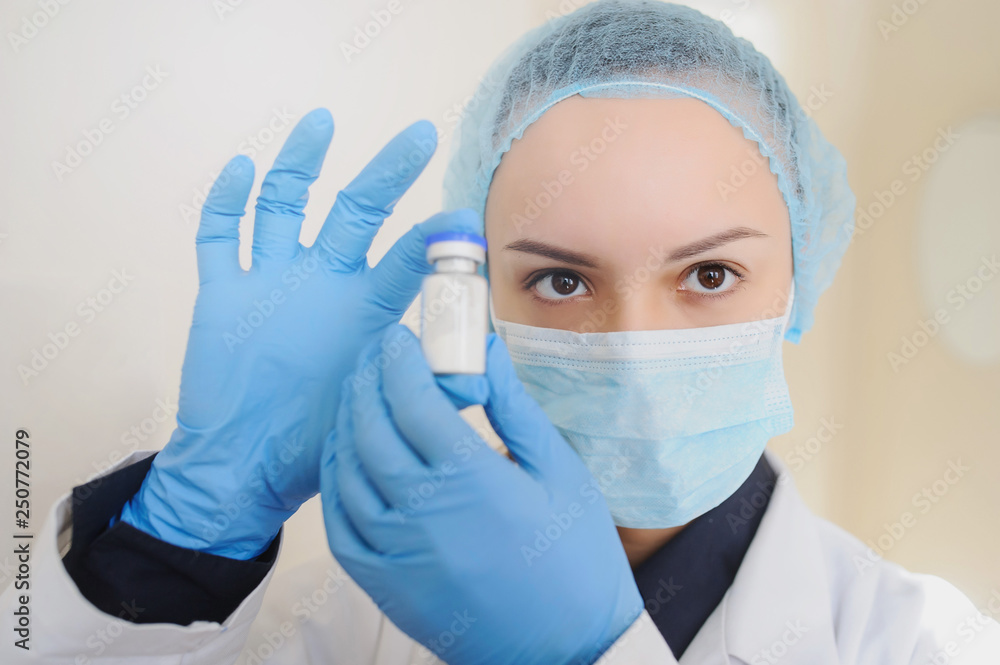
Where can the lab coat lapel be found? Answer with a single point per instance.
(779, 603)
(778, 607)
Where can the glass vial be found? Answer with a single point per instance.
(453, 311)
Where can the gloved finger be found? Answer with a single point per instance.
(285, 190)
(423, 413)
(362, 502)
(340, 489)
(392, 465)
(464, 390)
(218, 240)
(398, 276)
(363, 205)
(346, 544)
(374, 516)
(531, 438)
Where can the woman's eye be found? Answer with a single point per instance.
(559, 285)
(711, 278)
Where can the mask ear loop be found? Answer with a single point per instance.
(485, 268)
(493, 318)
(787, 316)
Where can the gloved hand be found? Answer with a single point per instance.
(269, 348)
(479, 559)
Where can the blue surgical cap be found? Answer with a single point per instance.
(651, 49)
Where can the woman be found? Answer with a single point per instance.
(659, 213)
(644, 268)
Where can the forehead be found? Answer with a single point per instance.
(598, 167)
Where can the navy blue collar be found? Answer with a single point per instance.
(684, 581)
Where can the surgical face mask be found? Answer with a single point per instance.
(669, 422)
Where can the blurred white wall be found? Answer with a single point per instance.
(228, 76)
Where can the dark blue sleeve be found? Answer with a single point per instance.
(130, 574)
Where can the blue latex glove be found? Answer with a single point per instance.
(479, 559)
(269, 348)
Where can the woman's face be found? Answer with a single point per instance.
(636, 214)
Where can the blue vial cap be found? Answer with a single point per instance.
(455, 235)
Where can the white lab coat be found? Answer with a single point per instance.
(807, 592)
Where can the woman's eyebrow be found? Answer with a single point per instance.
(553, 252)
(590, 261)
(713, 241)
